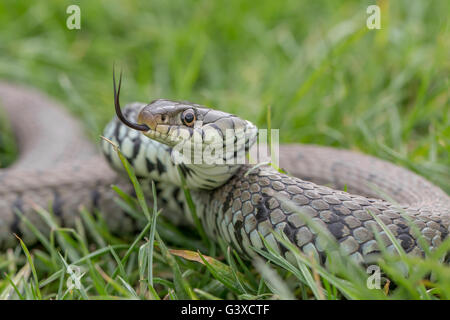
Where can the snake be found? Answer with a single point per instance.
(357, 199)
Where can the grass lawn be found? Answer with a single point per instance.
(328, 80)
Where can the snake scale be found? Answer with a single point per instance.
(60, 170)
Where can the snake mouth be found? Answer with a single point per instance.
(147, 118)
(157, 130)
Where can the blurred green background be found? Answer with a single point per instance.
(327, 78)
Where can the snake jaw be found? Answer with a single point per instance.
(161, 134)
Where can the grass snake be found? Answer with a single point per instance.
(60, 170)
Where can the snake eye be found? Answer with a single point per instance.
(188, 118)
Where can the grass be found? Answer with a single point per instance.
(327, 79)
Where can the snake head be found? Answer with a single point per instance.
(197, 131)
(194, 131)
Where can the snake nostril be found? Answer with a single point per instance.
(163, 118)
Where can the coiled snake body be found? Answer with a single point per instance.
(58, 168)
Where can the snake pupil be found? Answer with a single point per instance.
(188, 117)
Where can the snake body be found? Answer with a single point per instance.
(236, 203)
